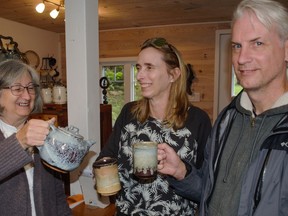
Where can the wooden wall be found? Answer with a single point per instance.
(196, 42)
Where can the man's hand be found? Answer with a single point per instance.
(170, 163)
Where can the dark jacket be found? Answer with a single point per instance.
(264, 188)
(48, 188)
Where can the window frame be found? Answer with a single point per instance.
(128, 77)
(128, 63)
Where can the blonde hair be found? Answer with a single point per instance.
(176, 110)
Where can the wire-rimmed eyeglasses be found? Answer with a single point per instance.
(18, 89)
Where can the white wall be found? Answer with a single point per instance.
(44, 43)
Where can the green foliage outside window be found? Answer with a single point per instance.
(115, 91)
(236, 88)
(137, 88)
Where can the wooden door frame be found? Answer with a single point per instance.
(217, 70)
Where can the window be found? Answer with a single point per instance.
(115, 91)
(136, 88)
(123, 87)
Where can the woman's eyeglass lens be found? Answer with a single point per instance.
(17, 90)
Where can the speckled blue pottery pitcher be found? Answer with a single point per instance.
(64, 148)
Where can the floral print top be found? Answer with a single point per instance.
(154, 197)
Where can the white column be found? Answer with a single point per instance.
(82, 53)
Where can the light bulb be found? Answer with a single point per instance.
(54, 13)
(40, 7)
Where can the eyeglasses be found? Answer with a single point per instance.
(17, 90)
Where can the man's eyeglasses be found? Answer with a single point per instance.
(17, 90)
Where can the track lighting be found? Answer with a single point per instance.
(54, 13)
(40, 7)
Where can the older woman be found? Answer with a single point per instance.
(26, 186)
(163, 115)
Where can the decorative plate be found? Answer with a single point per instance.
(32, 58)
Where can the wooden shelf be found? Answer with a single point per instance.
(58, 109)
(86, 210)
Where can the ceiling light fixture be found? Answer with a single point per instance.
(40, 7)
(54, 13)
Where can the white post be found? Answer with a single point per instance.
(82, 52)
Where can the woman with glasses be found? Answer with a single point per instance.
(26, 186)
(163, 115)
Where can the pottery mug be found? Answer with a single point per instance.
(106, 176)
(145, 160)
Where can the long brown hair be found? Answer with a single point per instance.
(176, 110)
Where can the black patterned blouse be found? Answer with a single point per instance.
(155, 197)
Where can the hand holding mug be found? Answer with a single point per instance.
(169, 162)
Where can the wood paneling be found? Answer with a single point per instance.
(86, 210)
(119, 14)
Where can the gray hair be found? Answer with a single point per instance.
(11, 70)
(271, 14)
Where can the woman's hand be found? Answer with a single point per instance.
(170, 163)
(34, 132)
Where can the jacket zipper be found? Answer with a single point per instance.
(252, 121)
